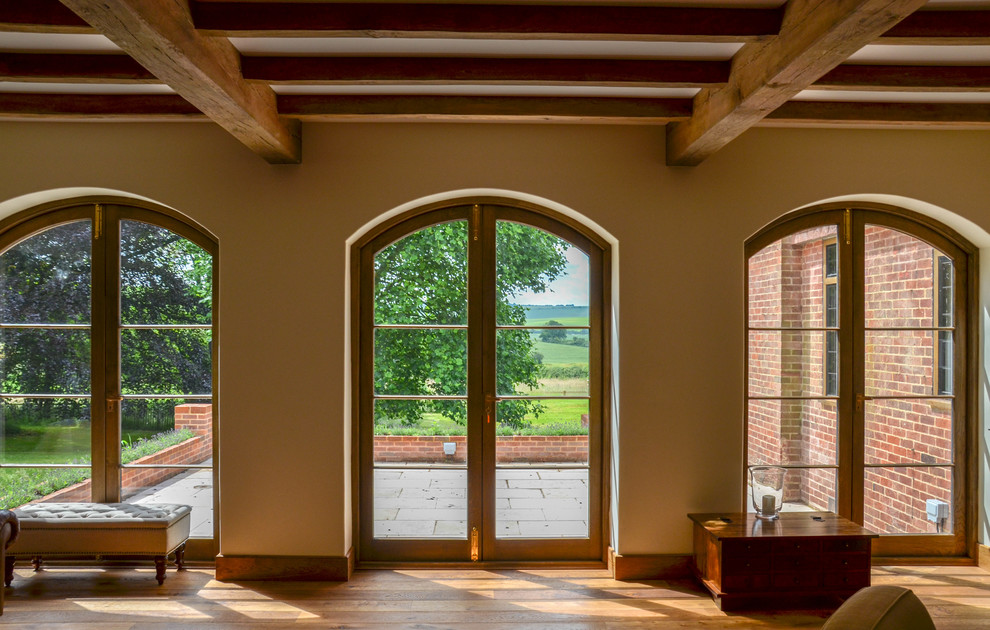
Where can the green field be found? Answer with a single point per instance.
(538, 314)
(566, 321)
(53, 445)
(556, 353)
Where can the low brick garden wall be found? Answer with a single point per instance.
(517, 449)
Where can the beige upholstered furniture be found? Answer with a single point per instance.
(101, 530)
(8, 534)
(881, 607)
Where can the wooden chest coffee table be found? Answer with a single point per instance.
(800, 559)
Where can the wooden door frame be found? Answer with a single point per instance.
(361, 258)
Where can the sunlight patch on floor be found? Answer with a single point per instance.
(266, 610)
(499, 584)
(590, 608)
(141, 607)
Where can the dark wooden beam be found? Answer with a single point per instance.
(143, 107)
(906, 78)
(941, 27)
(900, 115)
(501, 21)
(74, 68)
(816, 36)
(484, 109)
(203, 70)
(40, 16)
(449, 70)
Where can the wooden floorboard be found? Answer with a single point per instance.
(577, 599)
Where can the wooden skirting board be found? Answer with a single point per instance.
(324, 568)
(983, 557)
(649, 567)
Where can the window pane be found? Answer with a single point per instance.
(787, 363)
(556, 364)
(45, 431)
(786, 281)
(164, 278)
(421, 362)
(44, 361)
(422, 278)
(916, 431)
(420, 432)
(166, 361)
(44, 485)
(792, 432)
(896, 500)
(900, 289)
(900, 362)
(541, 452)
(149, 425)
(805, 490)
(535, 271)
(46, 278)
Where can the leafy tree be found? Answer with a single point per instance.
(422, 279)
(554, 336)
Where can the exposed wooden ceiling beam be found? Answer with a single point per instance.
(816, 36)
(500, 21)
(941, 27)
(75, 68)
(40, 16)
(899, 115)
(906, 78)
(143, 107)
(448, 70)
(203, 70)
(485, 109)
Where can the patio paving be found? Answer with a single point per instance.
(530, 502)
(193, 488)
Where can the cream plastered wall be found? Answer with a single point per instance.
(285, 434)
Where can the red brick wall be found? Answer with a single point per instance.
(786, 290)
(509, 449)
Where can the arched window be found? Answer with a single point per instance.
(859, 372)
(107, 359)
(481, 337)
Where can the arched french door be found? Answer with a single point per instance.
(860, 372)
(107, 359)
(481, 333)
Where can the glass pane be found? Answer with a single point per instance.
(421, 362)
(166, 361)
(44, 485)
(173, 485)
(900, 280)
(422, 278)
(916, 431)
(44, 361)
(796, 432)
(789, 363)
(908, 500)
(542, 362)
(46, 278)
(148, 426)
(420, 432)
(901, 362)
(787, 279)
(45, 431)
(539, 278)
(541, 451)
(806, 490)
(164, 278)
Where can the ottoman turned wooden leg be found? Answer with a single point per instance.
(8, 570)
(36, 563)
(180, 556)
(160, 569)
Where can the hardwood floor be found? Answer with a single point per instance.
(118, 599)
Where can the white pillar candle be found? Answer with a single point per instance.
(769, 505)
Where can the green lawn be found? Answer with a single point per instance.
(566, 321)
(53, 445)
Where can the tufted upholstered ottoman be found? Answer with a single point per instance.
(119, 530)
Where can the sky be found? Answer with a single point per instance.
(570, 287)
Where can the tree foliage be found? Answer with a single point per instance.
(554, 336)
(422, 279)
